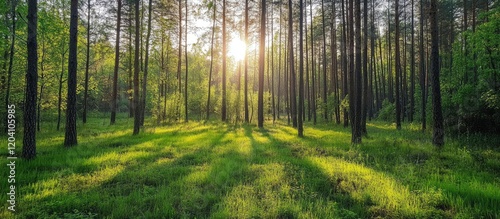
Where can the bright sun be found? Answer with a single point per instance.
(237, 49)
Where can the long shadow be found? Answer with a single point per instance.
(161, 182)
(398, 152)
(307, 175)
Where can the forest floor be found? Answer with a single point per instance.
(217, 170)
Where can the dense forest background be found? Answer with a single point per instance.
(167, 60)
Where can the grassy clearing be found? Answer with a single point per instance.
(199, 170)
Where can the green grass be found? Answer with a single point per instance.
(200, 170)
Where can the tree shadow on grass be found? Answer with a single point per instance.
(313, 190)
(157, 183)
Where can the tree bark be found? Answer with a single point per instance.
(261, 63)
(70, 137)
(117, 64)
(87, 65)
(224, 64)
(325, 89)
(412, 65)
(293, 84)
(186, 118)
(300, 125)
(437, 114)
(137, 113)
(423, 74)
(364, 106)
(29, 137)
(212, 64)
(397, 67)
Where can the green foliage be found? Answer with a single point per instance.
(471, 92)
(387, 112)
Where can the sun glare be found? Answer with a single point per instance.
(237, 49)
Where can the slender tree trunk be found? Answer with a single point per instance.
(293, 94)
(179, 62)
(87, 64)
(262, 46)
(70, 137)
(344, 64)
(146, 65)
(224, 51)
(325, 89)
(186, 118)
(357, 76)
(390, 80)
(313, 96)
(59, 96)
(212, 64)
(352, 95)
(29, 137)
(412, 65)
(422, 68)
(279, 58)
(437, 114)
(130, 75)
(273, 101)
(42, 86)
(364, 106)
(397, 67)
(334, 71)
(307, 88)
(137, 113)
(300, 125)
(117, 64)
(374, 61)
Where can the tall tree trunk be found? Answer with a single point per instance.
(29, 121)
(307, 88)
(146, 66)
(130, 74)
(313, 95)
(344, 64)
(262, 46)
(212, 64)
(137, 113)
(279, 58)
(87, 65)
(357, 75)
(364, 106)
(352, 79)
(224, 54)
(334, 71)
(70, 137)
(59, 96)
(325, 89)
(186, 118)
(412, 65)
(117, 64)
(423, 74)
(390, 80)
(437, 114)
(179, 61)
(293, 84)
(300, 125)
(42, 86)
(273, 93)
(397, 67)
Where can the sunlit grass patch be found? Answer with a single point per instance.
(218, 170)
